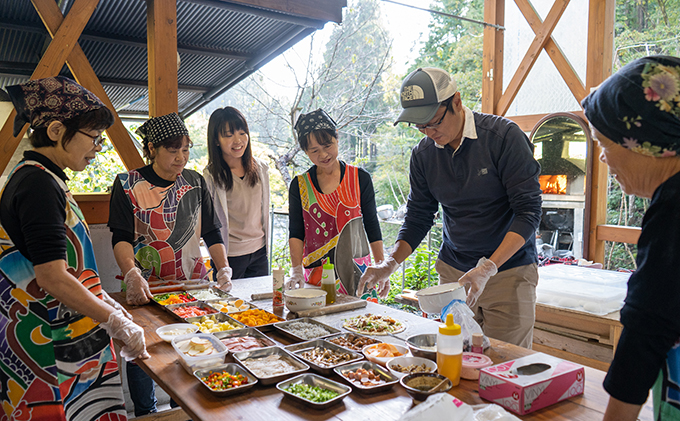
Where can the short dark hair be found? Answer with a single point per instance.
(98, 119)
(323, 137)
(171, 142)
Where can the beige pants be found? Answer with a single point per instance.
(506, 310)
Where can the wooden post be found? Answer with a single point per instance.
(161, 25)
(492, 64)
(601, 16)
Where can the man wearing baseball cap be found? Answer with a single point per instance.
(481, 169)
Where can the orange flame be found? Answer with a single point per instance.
(553, 184)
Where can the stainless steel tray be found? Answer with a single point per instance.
(384, 373)
(215, 291)
(245, 332)
(326, 370)
(265, 327)
(155, 296)
(315, 380)
(283, 328)
(220, 318)
(212, 303)
(199, 304)
(231, 368)
(346, 335)
(244, 356)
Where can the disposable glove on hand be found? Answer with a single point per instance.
(378, 275)
(137, 288)
(120, 327)
(296, 279)
(477, 278)
(224, 278)
(115, 304)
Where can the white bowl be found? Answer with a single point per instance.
(406, 361)
(404, 351)
(434, 299)
(169, 332)
(304, 299)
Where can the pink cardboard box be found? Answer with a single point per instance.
(530, 383)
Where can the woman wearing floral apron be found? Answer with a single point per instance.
(331, 212)
(158, 214)
(56, 322)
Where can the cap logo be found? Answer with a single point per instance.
(412, 93)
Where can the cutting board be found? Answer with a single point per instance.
(342, 303)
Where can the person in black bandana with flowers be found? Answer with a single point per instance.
(158, 214)
(635, 117)
(57, 360)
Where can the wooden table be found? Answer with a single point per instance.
(266, 402)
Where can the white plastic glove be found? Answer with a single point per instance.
(137, 288)
(115, 304)
(378, 275)
(296, 279)
(120, 327)
(224, 278)
(477, 278)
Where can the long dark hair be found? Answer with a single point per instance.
(223, 121)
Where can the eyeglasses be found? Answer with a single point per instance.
(422, 127)
(96, 140)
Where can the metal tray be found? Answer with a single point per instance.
(216, 291)
(283, 327)
(315, 380)
(200, 304)
(326, 370)
(243, 356)
(153, 299)
(220, 317)
(385, 374)
(349, 335)
(212, 302)
(231, 368)
(240, 333)
(266, 327)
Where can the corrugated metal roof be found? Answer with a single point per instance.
(220, 42)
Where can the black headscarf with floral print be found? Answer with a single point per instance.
(639, 106)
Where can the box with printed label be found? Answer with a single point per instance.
(530, 383)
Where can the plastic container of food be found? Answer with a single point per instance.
(401, 366)
(186, 346)
(312, 379)
(176, 330)
(267, 358)
(314, 332)
(232, 369)
(326, 368)
(472, 363)
(372, 386)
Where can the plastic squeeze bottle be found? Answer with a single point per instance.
(450, 350)
(328, 282)
(477, 343)
(277, 287)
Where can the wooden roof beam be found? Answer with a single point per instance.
(161, 34)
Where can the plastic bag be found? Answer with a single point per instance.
(463, 316)
(440, 406)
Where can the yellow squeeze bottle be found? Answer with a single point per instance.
(450, 350)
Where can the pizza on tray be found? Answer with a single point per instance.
(373, 324)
